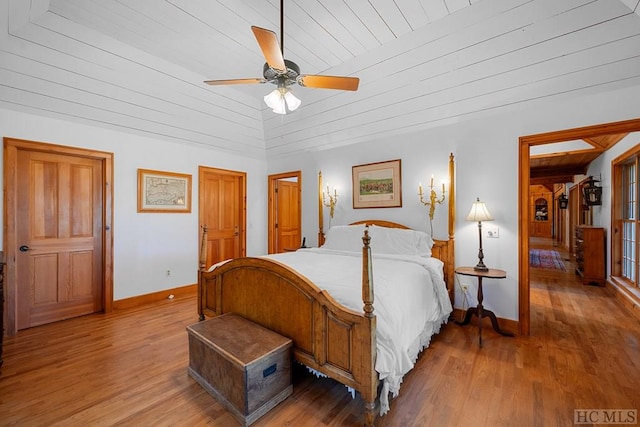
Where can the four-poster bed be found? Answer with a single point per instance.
(328, 337)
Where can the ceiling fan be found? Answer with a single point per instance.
(284, 73)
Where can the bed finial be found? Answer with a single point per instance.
(367, 275)
(366, 239)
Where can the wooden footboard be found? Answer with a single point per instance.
(327, 337)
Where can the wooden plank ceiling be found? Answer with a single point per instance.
(560, 167)
(138, 65)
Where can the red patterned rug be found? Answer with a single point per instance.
(549, 259)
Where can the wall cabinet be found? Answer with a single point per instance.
(591, 254)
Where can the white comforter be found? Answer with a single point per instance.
(411, 302)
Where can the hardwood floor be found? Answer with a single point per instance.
(129, 368)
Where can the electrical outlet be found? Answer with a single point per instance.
(168, 273)
(492, 232)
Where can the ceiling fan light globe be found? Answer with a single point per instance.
(274, 99)
(292, 102)
(280, 109)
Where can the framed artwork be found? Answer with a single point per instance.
(377, 185)
(163, 191)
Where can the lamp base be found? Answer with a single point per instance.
(481, 267)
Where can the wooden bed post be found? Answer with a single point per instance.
(320, 211)
(367, 277)
(202, 268)
(452, 197)
(450, 272)
(203, 248)
(370, 390)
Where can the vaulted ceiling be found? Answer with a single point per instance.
(139, 65)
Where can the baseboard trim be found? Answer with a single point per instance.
(127, 303)
(629, 297)
(505, 324)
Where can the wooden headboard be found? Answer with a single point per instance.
(442, 249)
(381, 223)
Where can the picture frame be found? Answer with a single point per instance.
(166, 192)
(377, 185)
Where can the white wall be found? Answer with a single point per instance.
(146, 245)
(486, 153)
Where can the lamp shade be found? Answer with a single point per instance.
(479, 212)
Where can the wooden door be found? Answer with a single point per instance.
(285, 229)
(59, 263)
(288, 215)
(222, 210)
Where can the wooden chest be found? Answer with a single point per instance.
(243, 365)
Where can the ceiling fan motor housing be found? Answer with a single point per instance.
(289, 77)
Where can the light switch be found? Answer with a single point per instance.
(492, 232)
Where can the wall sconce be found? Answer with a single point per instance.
(433, 199)
(592, 193)
(563, 202)
(330, 200)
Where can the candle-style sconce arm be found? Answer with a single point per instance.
(330, 201)
(433, 199)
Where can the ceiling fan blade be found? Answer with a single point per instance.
(268, 42)
(329, 82)
(234, 82)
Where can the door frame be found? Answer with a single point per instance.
(272, 179)
(242, 177)
(11, 148)
(525, 142)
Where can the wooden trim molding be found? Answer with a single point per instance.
(627, 295)
(166, 294)
(525, 142)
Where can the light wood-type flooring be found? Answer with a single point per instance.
(129, 368)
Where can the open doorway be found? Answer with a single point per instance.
(526, 176)
(285, 212)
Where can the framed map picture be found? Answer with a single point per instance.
(377, 185)
(163, 191)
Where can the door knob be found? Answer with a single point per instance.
(24, 248)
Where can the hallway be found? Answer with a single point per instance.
(567, 258)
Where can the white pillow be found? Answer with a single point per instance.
(344, 238)
(425, 243)
(398, 241)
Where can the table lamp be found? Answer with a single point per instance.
(479, 213)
